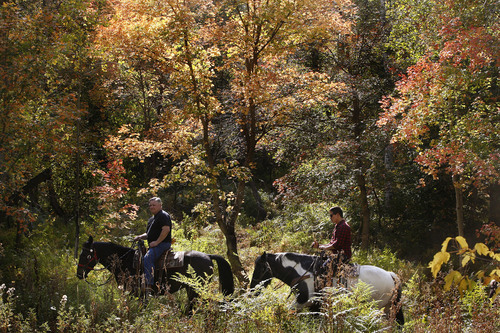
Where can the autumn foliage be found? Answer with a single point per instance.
(446, 105)
(466, 255)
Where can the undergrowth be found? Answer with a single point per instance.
(47, 297)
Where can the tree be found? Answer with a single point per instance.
(234, 80)
(446, 105)
(351, 142)
(45, 91)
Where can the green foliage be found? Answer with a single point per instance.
(475, 301)
(383, 258)
(6, 307)
(70, 319)
(294, 229)
(351, 310)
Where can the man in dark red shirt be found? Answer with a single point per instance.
(341, 236)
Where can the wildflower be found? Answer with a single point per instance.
(64, 299)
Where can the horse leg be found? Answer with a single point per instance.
(395, 303)
(304, 294)
(192, 296)
(400, 318)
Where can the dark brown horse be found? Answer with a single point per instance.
(119, 260)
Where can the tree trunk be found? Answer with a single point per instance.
(360, 176)
(459, 200)
(233, 256)
(77, 189)
(226, 221)
(494, 214)
(365, 211)
(261, 211)
(227, 225)
(389, 164)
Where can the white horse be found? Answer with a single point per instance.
(299, 271)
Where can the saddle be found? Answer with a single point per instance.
(168, 260)
(333, 271)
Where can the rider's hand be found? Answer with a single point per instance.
(153, 244)
(315, 244)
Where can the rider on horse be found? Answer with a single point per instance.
(340, 243)
(159, 236)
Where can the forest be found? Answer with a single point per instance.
(250, 119)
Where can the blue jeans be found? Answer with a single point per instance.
(150, 258)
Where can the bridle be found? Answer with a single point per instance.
(267, 268)
(87, 266)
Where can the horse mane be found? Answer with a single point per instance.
(300, 257)
(112, 248)
(114, 245)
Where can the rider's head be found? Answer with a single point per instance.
(336, 214)
(155, 205)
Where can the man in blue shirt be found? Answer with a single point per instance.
(159, 236)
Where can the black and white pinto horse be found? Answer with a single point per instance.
(119, 260)
(300, 272)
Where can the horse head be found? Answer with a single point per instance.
(492, 288)
(88, 259)
(262, 272)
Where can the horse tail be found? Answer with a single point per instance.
(225, 274)
(396, 302)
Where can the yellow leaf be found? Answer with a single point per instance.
(495, 272)
(482, 249)
(462, 242)
(472, 284)
(466, 259)
(445, 244)
(439, 259)
(495, 295)
(464, 285)
(451, 279)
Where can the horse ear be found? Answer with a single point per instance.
(91, 240)
(264, 255)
